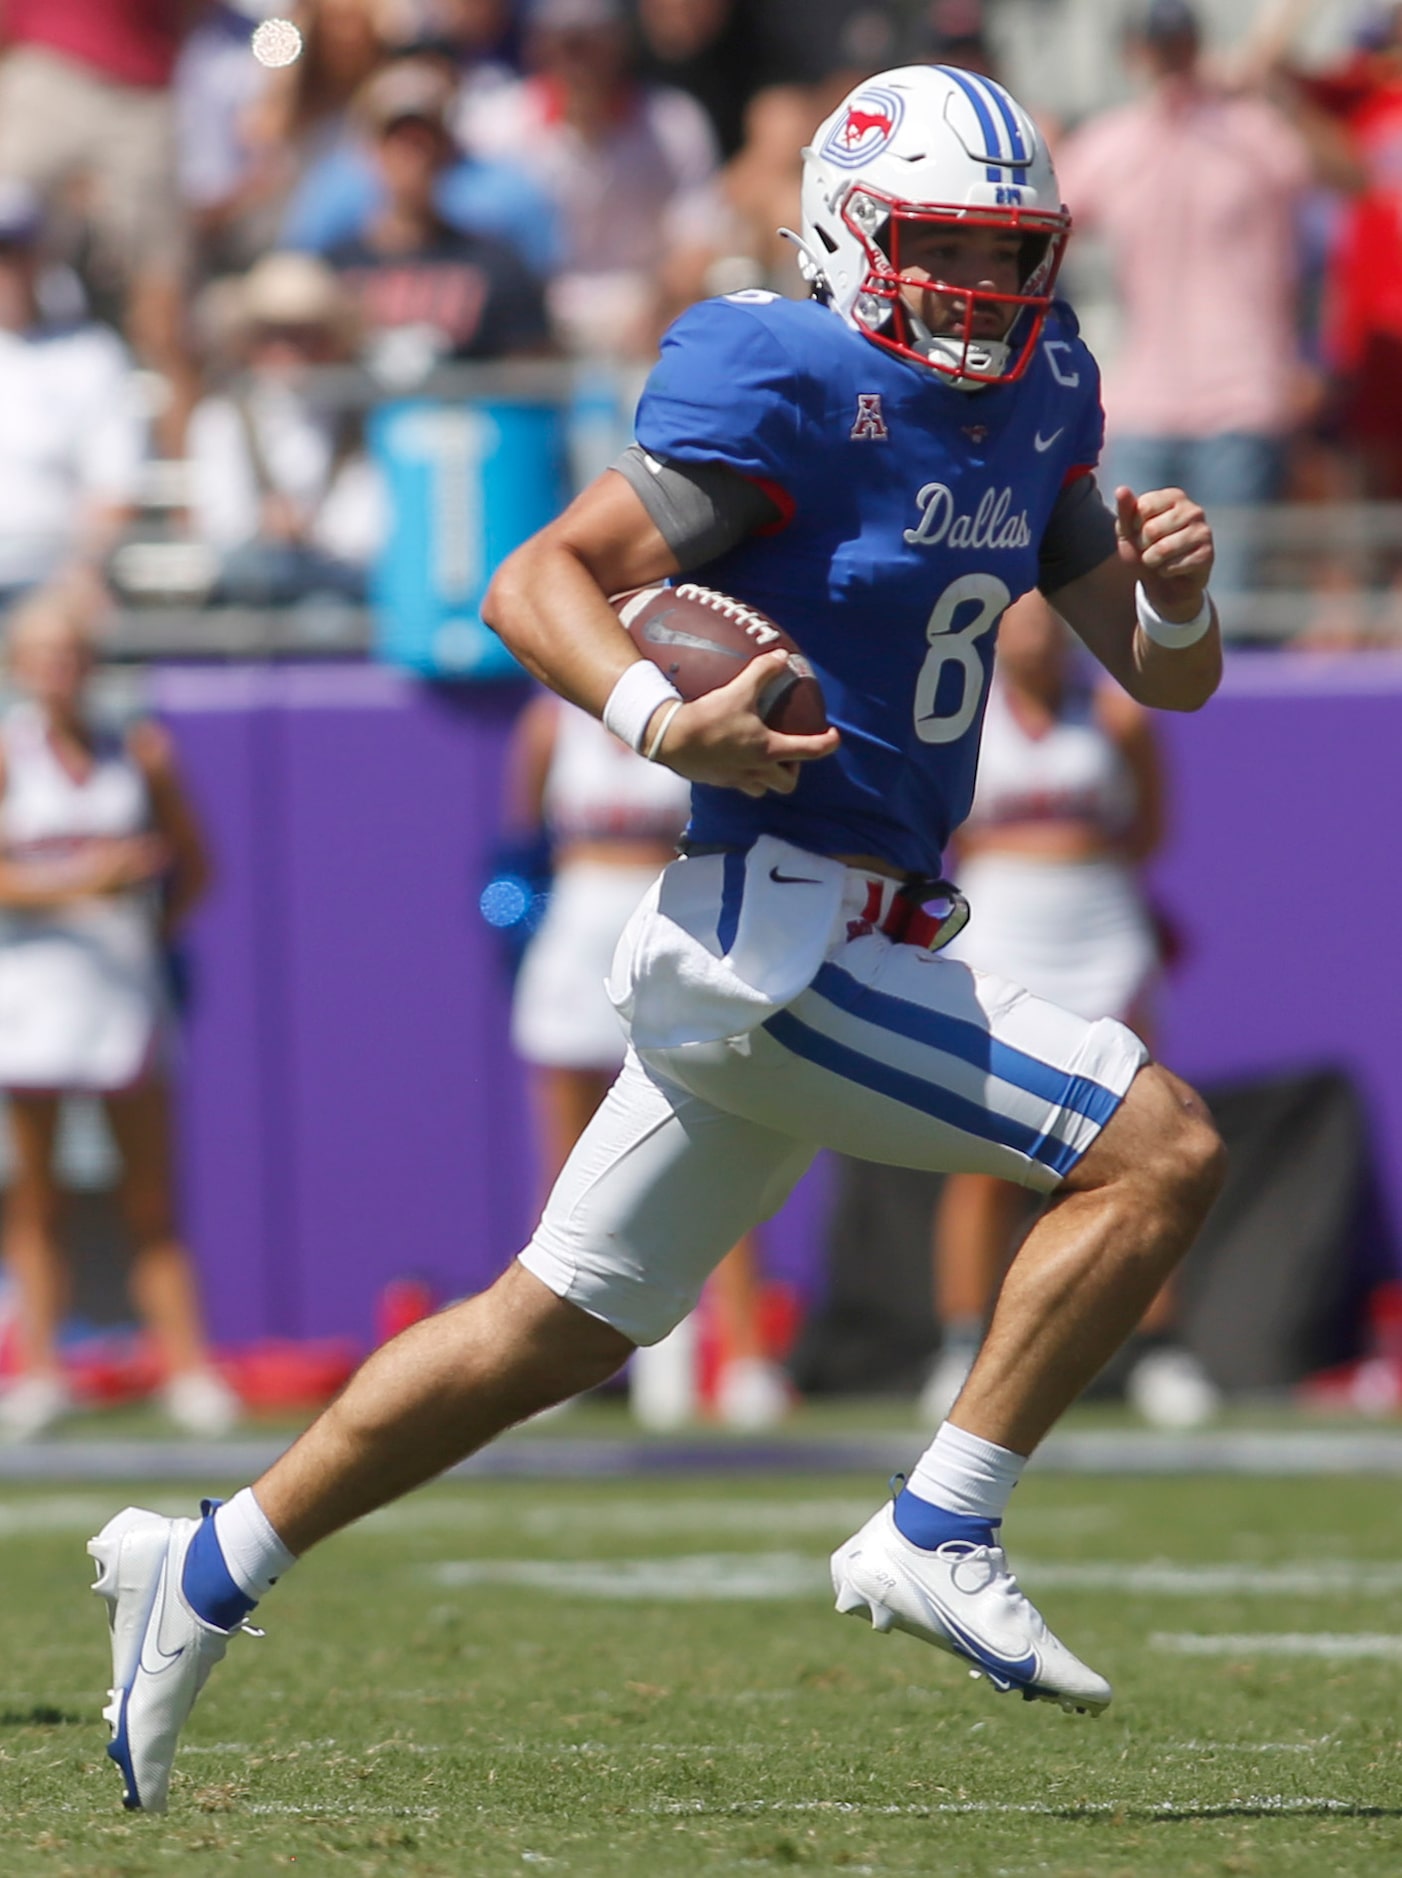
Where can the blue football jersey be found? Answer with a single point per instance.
(912, 517)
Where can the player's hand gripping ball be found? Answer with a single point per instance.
(701, 639)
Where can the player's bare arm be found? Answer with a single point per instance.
(1164, 547)
(549, 603)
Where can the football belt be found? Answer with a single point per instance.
(915, 912)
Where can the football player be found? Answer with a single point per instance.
(883, 468)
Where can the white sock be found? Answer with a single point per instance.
(254, 1554)
(964, 1474)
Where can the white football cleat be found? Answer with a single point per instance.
(752, 1394)
(962, 1598)
(1171, 1389)
(944, 1383)
(162, 1652)
(30, 1407)
(201, 1403)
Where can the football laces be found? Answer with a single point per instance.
(754, 623)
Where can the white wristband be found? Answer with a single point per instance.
(1171, 633)
(633, 700)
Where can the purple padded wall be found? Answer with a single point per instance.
(351, 1108)
(1283, 869)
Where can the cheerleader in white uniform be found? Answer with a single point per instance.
(100, 860)
(1067, 807)
(612, 821)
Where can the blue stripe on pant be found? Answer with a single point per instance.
(970, 1043)
(930, 1098)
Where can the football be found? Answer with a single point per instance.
(701, 638)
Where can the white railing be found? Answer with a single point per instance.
(1315, 572)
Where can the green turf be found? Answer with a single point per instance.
(442, 1692)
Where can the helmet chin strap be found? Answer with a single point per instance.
(809, 265)
(985, 355)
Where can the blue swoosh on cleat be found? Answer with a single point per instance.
(119, 1750)
(1021, 1671)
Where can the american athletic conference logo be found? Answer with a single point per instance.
(865, 127)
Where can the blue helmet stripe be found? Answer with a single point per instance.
(993, 149)
(1004, 108)
(1003, 103)
(982, 93)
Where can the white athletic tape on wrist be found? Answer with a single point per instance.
(664, 720)
(1170, 633)
(633, 700)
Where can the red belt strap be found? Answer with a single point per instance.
(924, 913)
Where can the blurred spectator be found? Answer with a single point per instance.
(73, 440)
(343, 188)
(1196, 191)
(478, 37)
(101, 859)
(232, 182)
(87, 117)
(631, 168)
(611, 822)
(303, 112)
(762, 182)
(1068, 806)
(954, 33)
(709, 48)
(1363, 293)
(832, 44)
(305, 109)
(819, 54)
(281, 486)
(427, 291)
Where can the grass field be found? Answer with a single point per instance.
(646, 1679)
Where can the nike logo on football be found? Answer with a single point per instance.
(792, 880)
(1041, 443)
(659, 635)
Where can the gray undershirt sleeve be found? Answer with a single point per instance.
(701, 509)
(1080, 535)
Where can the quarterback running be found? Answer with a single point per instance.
(882, 467)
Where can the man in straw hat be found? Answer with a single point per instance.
(282, 489)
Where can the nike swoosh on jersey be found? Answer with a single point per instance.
(151, 1636)
(792, 880)
(1041, 443)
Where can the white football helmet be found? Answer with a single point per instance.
(930, 144)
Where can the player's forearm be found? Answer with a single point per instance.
(1177, 678)
(551, 613)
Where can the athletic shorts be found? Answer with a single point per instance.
(771, 1017)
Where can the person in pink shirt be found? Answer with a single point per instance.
(1195, 191)
(86, 101)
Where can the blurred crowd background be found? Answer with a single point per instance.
(190, 234)
(305, 319)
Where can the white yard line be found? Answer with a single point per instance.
(1153, 1809)
(1302, 1578)
(333, 1811)
(645, 1516)
(1249, 1747)
(701, 1577)
(1334, 1645)
(72, 1512)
